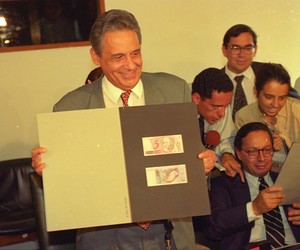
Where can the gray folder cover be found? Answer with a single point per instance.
(115, 166)
(289, 176)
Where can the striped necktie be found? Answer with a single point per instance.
(273, 222)
(239, 96)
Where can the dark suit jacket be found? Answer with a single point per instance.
(255, 66)
(228, 221)
(159, 88)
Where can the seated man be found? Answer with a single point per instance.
(212, 93)
(240, 210)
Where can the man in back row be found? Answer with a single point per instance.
(240, 47)
(116, 48)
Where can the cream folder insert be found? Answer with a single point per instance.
(77, 176)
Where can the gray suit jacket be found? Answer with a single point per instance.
(159, 88)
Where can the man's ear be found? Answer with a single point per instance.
(238, 154)
(196, 98)
(94, 57)
(224, 50)
(256, 47)
(255, 91)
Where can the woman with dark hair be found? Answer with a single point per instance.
(275, 108)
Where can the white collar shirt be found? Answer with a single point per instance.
(112, 94)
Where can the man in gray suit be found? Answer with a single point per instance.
(116, 48)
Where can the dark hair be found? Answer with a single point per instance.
(94, 75)
(236, 30)
(112, 20)
(209, 80)
(271, 72)
(248, 128)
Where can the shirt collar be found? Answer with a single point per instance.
(253, 180)
(114, 93)
(248, 73)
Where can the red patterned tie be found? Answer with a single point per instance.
(125, 97)
(145, 224)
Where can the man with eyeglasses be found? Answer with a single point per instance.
(239, 210)
(240, 47)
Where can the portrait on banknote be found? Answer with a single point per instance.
(160, 145)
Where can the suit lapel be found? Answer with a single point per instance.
(96, 99)
(151, 91)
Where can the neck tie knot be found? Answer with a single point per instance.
(262, 184)
(239, 79)
(125, 97)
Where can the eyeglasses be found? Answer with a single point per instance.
(253, 153)
(236, 49)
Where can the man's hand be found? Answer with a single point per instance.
(294, 213)
(267, 200)
(278, 144)
(37, 163)
(232, 166)
(209, 159)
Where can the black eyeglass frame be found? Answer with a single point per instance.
(255, 152)
(236, 49)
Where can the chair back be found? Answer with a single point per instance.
(67, 238)
(16, 213)
(36, 184)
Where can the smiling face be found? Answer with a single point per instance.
(272, 97)
(212, 109)
(121, 59)
(167, 144)
(238, 63)
(257, 166)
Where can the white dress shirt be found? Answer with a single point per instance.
(112, 94)
(226, 128)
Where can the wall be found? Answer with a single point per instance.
(180, 37)
(31, 82)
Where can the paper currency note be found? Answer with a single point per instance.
(166, 175)
(160, 145)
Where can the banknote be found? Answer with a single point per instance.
(166, 175)
(161, 145)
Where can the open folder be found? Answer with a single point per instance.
(289, 176)
(114, 166)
